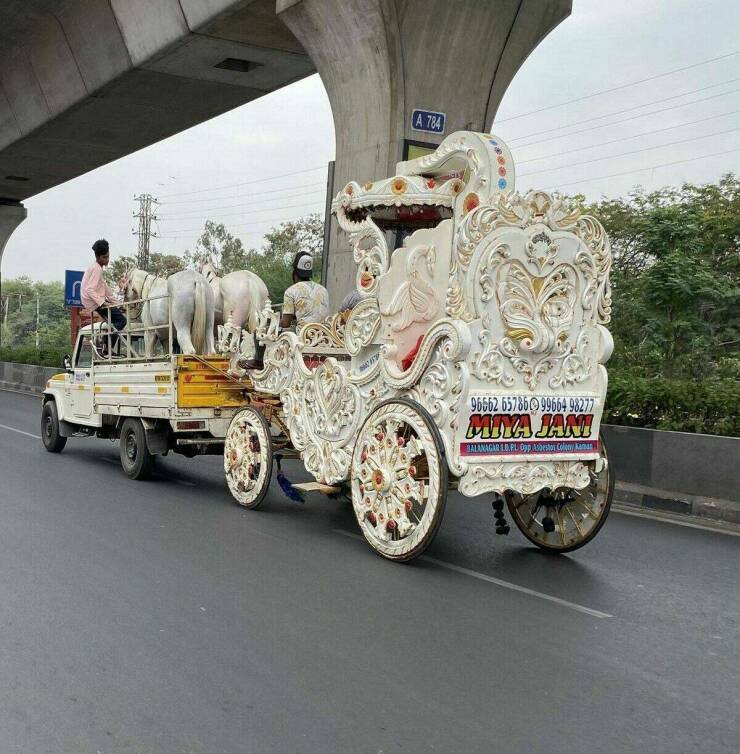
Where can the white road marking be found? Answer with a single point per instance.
(20, 431)
(669, 520)
(498, 582)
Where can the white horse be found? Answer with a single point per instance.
(239, 297)
(191, 304)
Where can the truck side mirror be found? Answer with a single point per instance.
(67, 363)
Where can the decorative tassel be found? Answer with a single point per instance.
(288, 489)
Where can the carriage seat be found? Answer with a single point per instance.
(411, 294)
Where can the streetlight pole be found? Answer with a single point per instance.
(37, 320)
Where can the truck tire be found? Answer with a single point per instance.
(50, 435)
(136, 460)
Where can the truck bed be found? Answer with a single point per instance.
(166, 387)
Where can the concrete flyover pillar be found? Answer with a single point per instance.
(381, 59)
(12, 214)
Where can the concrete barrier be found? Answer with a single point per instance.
(25, 378)
(679, 472)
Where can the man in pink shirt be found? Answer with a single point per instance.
(95, 294)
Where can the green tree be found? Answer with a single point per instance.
(162, 265)
(272, 262)
(676, 264)
(218, 247)
(18, 321)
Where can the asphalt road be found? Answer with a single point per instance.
(159, 617)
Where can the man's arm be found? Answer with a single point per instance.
(288, 315)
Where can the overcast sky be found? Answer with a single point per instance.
(604, 44)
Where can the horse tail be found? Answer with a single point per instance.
(198, 330)
(257, 302)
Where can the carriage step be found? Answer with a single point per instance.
(325, 489)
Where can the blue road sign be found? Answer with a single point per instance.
(72, 285)
(428, 121)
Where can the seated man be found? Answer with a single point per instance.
(304, 301)
(95, 294)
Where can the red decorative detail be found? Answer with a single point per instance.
(431, 183)
(412, 471)
(379, 436)
(366, 280)
(391, 525)
(363, 456)
(502, 171)
(471, 202)
(372, 518)
(401, 442)
(408, 359)
(408, 505)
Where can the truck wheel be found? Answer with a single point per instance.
(136, 460)
(53, 441)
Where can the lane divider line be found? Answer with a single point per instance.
(498, 582)
(20, 431)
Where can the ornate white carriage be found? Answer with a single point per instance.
(474, 359)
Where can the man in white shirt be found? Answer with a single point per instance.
(304, 301)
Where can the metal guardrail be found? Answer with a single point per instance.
(106, 332)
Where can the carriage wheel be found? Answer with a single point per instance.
(565, 520)
(248, 457)
(399, 479)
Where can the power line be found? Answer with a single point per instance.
(642, 170)
(633, 151)
(179, 233)
(626, 138)
(245, 183)
(244, 196)
(613, 123)
(201, 210)
(637, 107)
(617, 88)
(239, 214)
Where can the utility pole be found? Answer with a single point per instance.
(4, 328)
(37, 320)
(146, 214)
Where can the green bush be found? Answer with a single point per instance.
(46, 356)
(708, 406)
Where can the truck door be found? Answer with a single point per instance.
(81, 394)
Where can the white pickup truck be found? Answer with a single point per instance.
(177, 403)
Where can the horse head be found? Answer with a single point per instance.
(136, 288)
